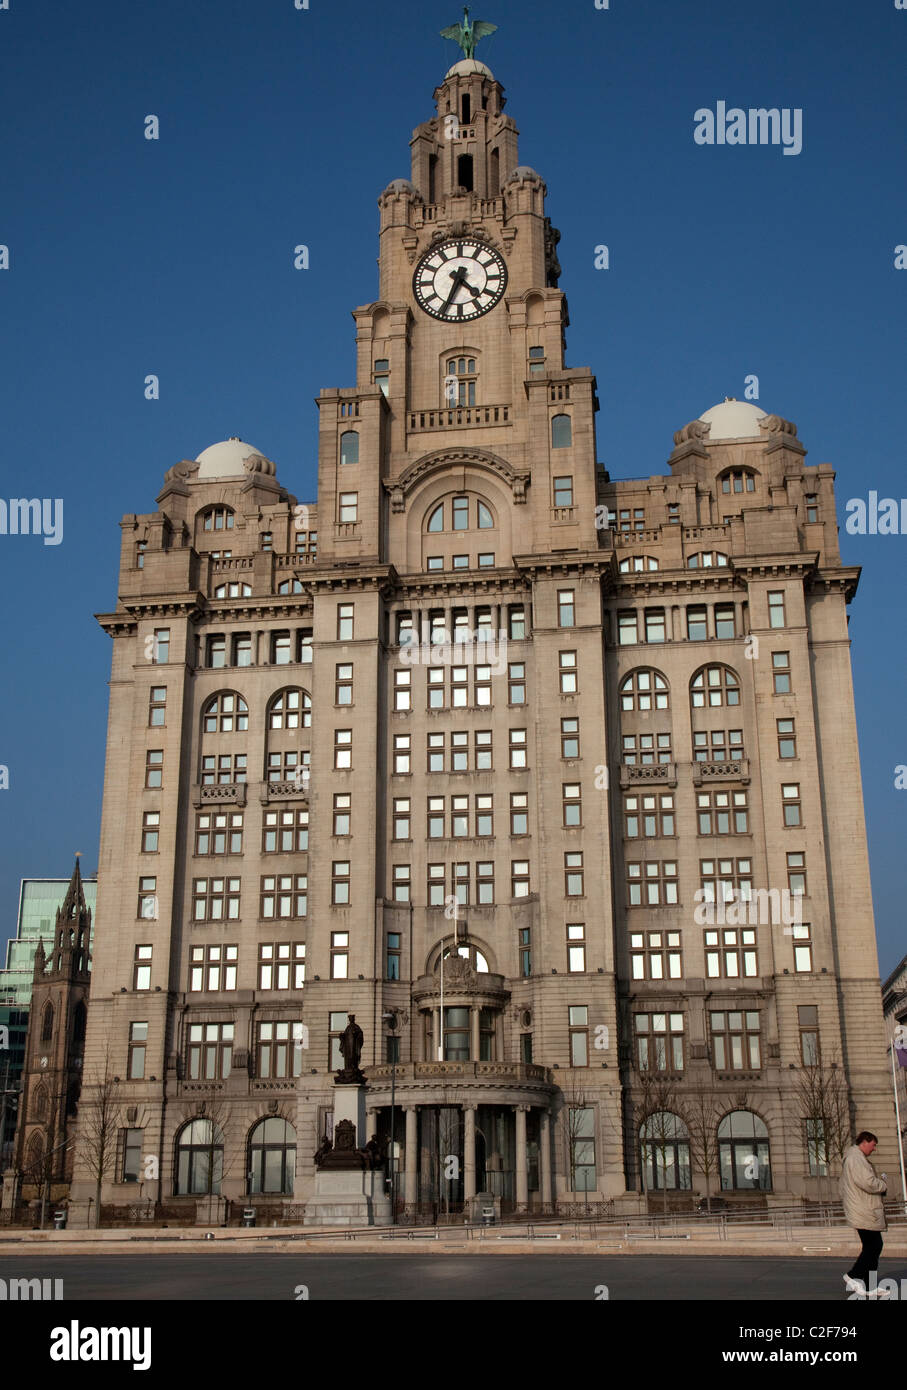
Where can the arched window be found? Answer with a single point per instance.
(436, 519)
(272, 1157)
(233, 590)
(707, 559)
(289, 586)
(225, 713)
(469, 951)
(634, 563)
(664, 1143)
(290, 709)
(199, 1158)
(34, 1157)
(39, 1108)
(47, 1022)
(714, 686)
(644, 690)
(466, 512)
(79, 1022)
(216, 519)
(349, 447)
(460, 378)
(738, 480)
(561, 432)
(486, 520)
(744, 1158)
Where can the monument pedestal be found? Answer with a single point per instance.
(347, 1191)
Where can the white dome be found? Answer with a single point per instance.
(733, 420)
(225, 460)
(467, 67)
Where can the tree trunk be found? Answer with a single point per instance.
(96, 1219)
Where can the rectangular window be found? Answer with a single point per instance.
(722, 813)
(776, 609)
(803, 947)
(644, 750)
(281, 965)
(781, 672)
(223, 769)
(656, 955)
(518, 748)
(132, 1155)
(790, 803)
(403, 695)
(340, 882)
(343, 748)
(808, 1021)
(340, 955)
(392, 956)
(349, 507)
(402, 817)
(563, 493)
(218, 832)
(524, 945)
(519, 878)
(581, 1138)
(140, 549)
(735, 1040)
(567, 671)
(725, 621)
(343, 684)
(652, 884)
(147, 907)
(648, 816)
(572, 803)
(627, 633)
(578, 1023)
(157, 706)
(570, 738)
(697, 624)
(138, 1041)
(573, 874)
(655, 624)
(482, 687)
(812, 507)
(161, 646)
(341, 813)
(404, 629)
(566, 608)
(796, 872)
(459, 687)
(216, 652)
(730, 953)
(519, 813)
(459, 816)
(482, 750)
(787, 738)
(436, 815)
(659, 1041)
(280, 649)
(401, 887)
(435, 754)
(242, 649)
(674, 513)
(284, 896)
(401, 753)
(278, 1052)
(435, 687)
(516, 624)
(212, 968)
(435, 885)
(516, 683)
(486, 560)
(210, 1051)
(460, 883)
(484, 813)
(345, 622)
(484, 883)
(154, 767)
(576, 948)
(336, 1023)
(726, 880)
(285, 831)
(151, 824)
(141, 969)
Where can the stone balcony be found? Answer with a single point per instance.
(226, 793)
(730, 770)
(503, 1073)
(660, 774)
(458, 416)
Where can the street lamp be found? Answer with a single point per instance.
(391, 1018)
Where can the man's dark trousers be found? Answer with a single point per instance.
(868, 1259)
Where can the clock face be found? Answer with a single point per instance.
(459, 280)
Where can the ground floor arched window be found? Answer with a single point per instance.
(199, 1158)
(664, 1143)
(743, 1153)
(272, 1157)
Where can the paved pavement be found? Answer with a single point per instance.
(399, 1276)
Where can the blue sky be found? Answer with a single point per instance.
(281, 126)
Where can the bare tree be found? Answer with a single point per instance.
(578, 1132)
(823, 1104)
(99, 1123)
(657, 1110)
(702, 1113)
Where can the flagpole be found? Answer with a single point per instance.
(897, 1113)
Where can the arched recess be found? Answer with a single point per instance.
(453, 473)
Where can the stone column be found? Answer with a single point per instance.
(545, 1154)
(469, 1152)
(435, 1034)
(474, 1032)
(411, 1169)
(522, 1166)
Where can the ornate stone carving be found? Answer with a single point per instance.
(445, 458)
(257, 463)
(696, 429)
(774, 424)
(186, 468)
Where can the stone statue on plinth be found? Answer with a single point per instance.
(351, 1041)
(344, 1155)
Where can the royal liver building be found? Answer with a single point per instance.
(551, 780)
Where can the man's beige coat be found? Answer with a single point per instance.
(861, 1192)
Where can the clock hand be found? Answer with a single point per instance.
(457, 278)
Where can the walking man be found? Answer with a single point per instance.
(861, 1193)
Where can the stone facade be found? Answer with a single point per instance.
(528, 711)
